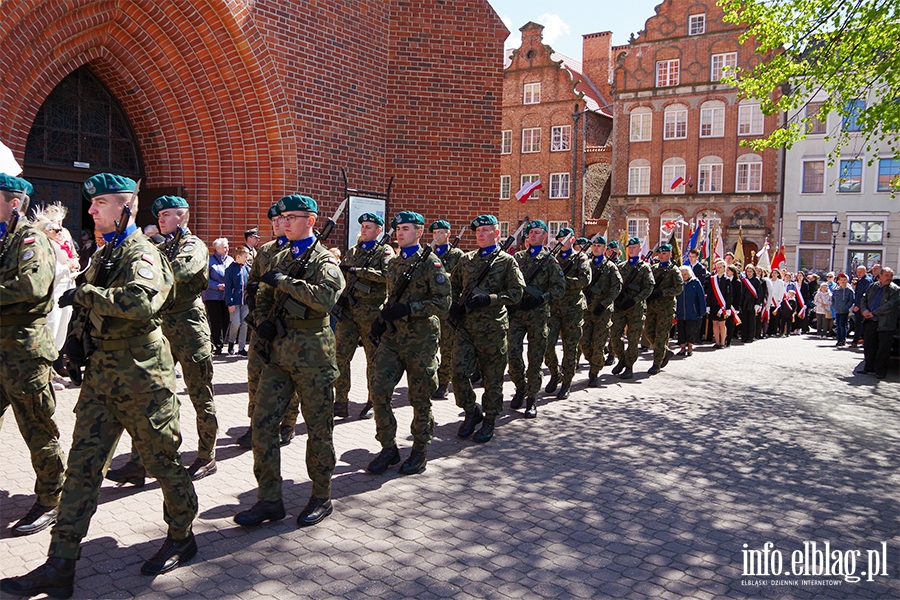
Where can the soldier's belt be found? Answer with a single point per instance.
(132, 342)
(306, 323)
(26, 319)
(178, 307)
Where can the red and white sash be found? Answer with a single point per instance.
(720, 298)
(801, 304)
(746, 281)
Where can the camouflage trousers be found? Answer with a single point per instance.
(448, 340)
(419, 359)
(657, 326)
(254, 370)
(633, 318)
(354, 325)
(533, 324)
(489, 353)
(595, 338)
(566, 318)
(25, 385)
(277, 388)
(151, 419)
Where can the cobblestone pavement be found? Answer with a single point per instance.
(656, 487)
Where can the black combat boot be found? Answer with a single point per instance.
(172, 554)
(261, 512)
(517, 399)
(315, 512)
(56, 578)
(530, 408)
(367, 412)
(592, 380)
(551, 385)
(440, 393)
(342, 410)
(386, 458)
(132, 473)
(40, 517)
(628, 373)
(415, 464)
(246, 440)
(286, 434)
(473, 418)
(619, 367)
(563, 392)
(202, 467)
(485, 433)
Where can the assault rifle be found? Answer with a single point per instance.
(476, 280)
(346, 298)
(533, 272)
(10, 230)
(456, 238)
(380, 325)
(171, 247)
(571, 261)
(277, 313)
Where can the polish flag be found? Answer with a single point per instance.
(676, 182)
(527, 189)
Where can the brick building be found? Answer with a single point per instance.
(675, 118)
(556, 127)
(233, 104)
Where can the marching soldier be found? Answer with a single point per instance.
(409, 331)
(613, 253)
(300, 361)
(637, 284)
(27, 351)
(606, 284)
(186, 327)
(450, 258)
(368, 296)
(567, 316)
(482, 326)
(661, 307)
(128, 384)
(544, 280)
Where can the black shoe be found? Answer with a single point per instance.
(551, 385)
(40, 517)
(473, 418)
(315, 512)
(230, 349)
(592, 380)
(242, 353)
(217, 350)
(485, 433)
(609, 360)
(530, 408)
(56, 578)
(246, 440)
(628, 373)
(286, 434)
(74, 374)
(261, 512)
(131, 473)
(619, 367)
(476, 377)
(440, 393)
(341, 410)
(202, 467)
(415, 464)
(172, 554)
(386, 458)
(517, 399)
(563, 392)
(666, 358)
(653, 370)
(367, 412)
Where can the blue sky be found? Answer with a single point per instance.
(565, 21)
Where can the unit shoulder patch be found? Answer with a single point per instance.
(148, 258)
(145, 273)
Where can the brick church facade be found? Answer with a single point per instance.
(236, 103)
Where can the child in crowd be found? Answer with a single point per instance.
(235, 283)
(822, 301)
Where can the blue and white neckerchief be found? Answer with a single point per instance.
(2, 228)
(535, 250)
(171, 236)
(298, 247)
(599, 259)
(566, 254)
(486, 251)
(281, 241)
(409, 251)
(368, 245)
(440, 250)
(633, 260)
(128, 231)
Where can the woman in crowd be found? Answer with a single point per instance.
(719, 303)
(214, 296)
(689, 311)
(842, 298)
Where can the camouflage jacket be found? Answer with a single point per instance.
(26, 295)
(428, 296)
(606, 283)
(451, 258)
(668, 283)
(637, 281)
(370, 287)
(184, 323)
(548, 281)
(577, 270)
(504, 284)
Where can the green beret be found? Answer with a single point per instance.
(613, 244)
(297, 202)
(439, 224)
(483, 220)
(664, 248)
(8, 183)
(407, 216)
(634, 241)
(536, 224)
(164, 202)
(582, 241)
(564, 232)
(371, 218)
(107, 183)
(273, 211)
(599, 239)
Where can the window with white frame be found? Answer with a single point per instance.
(504, 229)
(815, 232)
(532, 93)
(673, 176)
(559, 185)
(638, 225)
(866, 232)
(561, 138)
(888, 175)
(850, 176)
(641, 124)
(866, 258)
(749, 173)
(639, 177)
(675, 124)
(712, 119)
(667, 72)
(750, 119)
(814, 259)
(718, 63)
(813, 177)
(555, 226)
(817, 121)
(709, 176)
(506, 141)
(504, 187)
(696, 24)
(855, 108)
(531, 178)
(531, 140)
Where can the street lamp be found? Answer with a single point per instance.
(835, 227)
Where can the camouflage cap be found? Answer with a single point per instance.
(563, 232)
(632, 241)
(273, 211)
(536, 224)
(599, 239)
(297, 202)
(107, 183)
(407, 216)
(481, 220)
(8, 183)
(613, 244)
(439, 224)
(664, 248)
(164, 202)
(371, 218)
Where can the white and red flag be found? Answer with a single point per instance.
(527, 189)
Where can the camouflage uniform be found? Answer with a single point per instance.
(567, 315)
(412, 347)
(450, 258)
(548, 283)
(661, 308)
(303, 363)
(481, 337)
(128, 383)
(27, 351)
(606, 283)
(356, 321)
(636, 287)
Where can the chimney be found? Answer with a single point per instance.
(597, 61)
